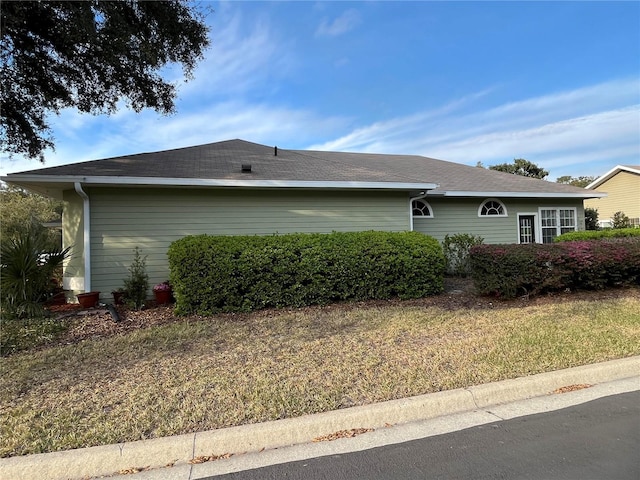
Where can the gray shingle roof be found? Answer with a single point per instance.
(223, 160)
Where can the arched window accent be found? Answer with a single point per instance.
(492, 207)
(420, 208)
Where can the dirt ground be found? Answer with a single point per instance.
(96, 323)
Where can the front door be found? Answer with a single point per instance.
(527, 228)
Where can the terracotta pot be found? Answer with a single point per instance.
(162, 296)
(118, 297)
(89, 299)
(58, 299)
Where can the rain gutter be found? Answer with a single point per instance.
(86, 235)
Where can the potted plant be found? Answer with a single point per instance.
(88, 299)
(119, 296)
(162, 292)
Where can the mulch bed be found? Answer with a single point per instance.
(97, 323)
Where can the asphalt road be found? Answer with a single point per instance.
(595, 440)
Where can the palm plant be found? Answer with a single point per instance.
(28, 266)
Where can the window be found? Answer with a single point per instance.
(556, 221)
(492, 208)
(420, 208)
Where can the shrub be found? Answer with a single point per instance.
(598, 235)
(29, 273)
(591, 219)
(241, 273)
(456, 252)
(137, 284)
(509, 270)
(620, 220)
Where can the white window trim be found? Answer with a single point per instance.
(536, 225)
(431, 214)
(558, 226)
(504, 208)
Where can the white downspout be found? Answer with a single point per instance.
(87, 235)
(411, 199)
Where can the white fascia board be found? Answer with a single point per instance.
(520, 194)
(618, 168)
(199, 182)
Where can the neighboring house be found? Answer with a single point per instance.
(622, 185)
(237, 187)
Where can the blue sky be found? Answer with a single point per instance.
(556, 83)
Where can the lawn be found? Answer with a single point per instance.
(183, 375)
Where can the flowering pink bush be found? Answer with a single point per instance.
(510, 270)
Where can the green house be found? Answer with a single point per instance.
(237, 187)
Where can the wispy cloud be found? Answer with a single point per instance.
(147, 132)
(250, 85)
(245, 62)
(597, 123)
(340, 25)
(244, 54)
(256, 122)
(592, 135)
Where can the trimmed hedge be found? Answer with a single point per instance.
(598, 234)
(211, 274)
(511, 270)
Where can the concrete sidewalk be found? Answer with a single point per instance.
(421, 415)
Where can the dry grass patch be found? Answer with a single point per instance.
(194, 375)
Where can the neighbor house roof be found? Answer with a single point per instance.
(615, 170)
(221, 165)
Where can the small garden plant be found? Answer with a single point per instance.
(162, 287)
(456, 252)
(620, 220)
(137, 284)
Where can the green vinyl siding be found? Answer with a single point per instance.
(460, 215)
(151, 219)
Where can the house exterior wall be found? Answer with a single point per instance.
(460, 215)
(151, 219)
(623, 190)
(73, 236)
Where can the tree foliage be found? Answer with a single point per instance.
(89, 56)
(581, 181)
(23, 211)
(591, 219)
(522, 167)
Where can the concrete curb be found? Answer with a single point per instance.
(180, 449)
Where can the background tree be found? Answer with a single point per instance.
(23, 211)
(522, 167)
(89, 56)
(591, 219)
(581, 181)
